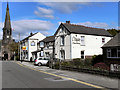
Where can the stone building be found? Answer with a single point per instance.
(7, 37)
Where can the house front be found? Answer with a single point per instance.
(45, 48)
(111, 53)
(77, 41)
(28, 45)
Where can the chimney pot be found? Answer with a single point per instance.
(31, 34)
(68, 22)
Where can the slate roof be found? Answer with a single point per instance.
(80, 29)
(114, 42)
(49, 39)
(29, 36)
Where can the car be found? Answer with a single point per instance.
(41, 61)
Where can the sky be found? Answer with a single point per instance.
(45, 17)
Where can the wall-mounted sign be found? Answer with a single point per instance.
(24, 48)
(76, 40)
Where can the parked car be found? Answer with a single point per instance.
(41, 61)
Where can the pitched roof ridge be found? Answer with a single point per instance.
(83, 26)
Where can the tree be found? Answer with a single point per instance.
(13, 47)
(113, 31)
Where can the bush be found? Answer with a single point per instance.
(66, 63)
(56, 65)
(78, 62)
(88, 62)
(101, 66)
(97, 59)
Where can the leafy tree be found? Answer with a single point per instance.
(113, 31)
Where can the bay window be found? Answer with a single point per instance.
(113, 53)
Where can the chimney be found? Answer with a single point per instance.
(31, 34)
(68, 22)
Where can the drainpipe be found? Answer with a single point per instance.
(70, 47)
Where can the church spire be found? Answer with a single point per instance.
(7, 23)
(7, 30)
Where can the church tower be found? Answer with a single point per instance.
(7, 30)
(7, 37)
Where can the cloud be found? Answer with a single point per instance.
(43, 12)
(62, 7)
(59, 1)
(1, 24)
(95, 24)
(24, 27)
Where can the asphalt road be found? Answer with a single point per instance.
(16, 76)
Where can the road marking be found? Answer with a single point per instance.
(75, 80)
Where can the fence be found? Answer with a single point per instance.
(115, 74)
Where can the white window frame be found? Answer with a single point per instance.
(109, 51)
(32, 43)
(62, 40)
(82, 40)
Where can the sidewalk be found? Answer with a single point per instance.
(93, 79)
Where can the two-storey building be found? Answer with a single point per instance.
(111, 53)
(29, 44)
(77, 41)
(45, 48)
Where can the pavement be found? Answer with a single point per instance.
(97, 80)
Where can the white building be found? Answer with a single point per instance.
(49, 46)
(45, 48)
(29, 44)
(77, 41)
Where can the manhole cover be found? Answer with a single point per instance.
(8, 70)
(56, 79)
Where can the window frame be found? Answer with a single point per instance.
(32, 43)
(82, 41)
(62, 40)
(111, 53)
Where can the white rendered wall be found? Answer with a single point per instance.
(92, 46)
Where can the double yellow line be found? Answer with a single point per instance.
(75, 80)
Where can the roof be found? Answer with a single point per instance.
(114, 42)
(36, 51)
(80, 29)
(49, 39)
(29, 36)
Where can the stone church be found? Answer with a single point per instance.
(7, 37)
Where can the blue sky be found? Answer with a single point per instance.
(44, 17)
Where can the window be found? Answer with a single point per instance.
(82, 54)
(62, 40)
(41, 54)
(32, 43)
(47, 45)
(62, 54)
(108, 52)
(113, 53)
(103, 40)
(118, 51)
(61, 30)
(82, 40)
(47, 54)
(41, 44)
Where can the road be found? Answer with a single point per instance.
(16, 76)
